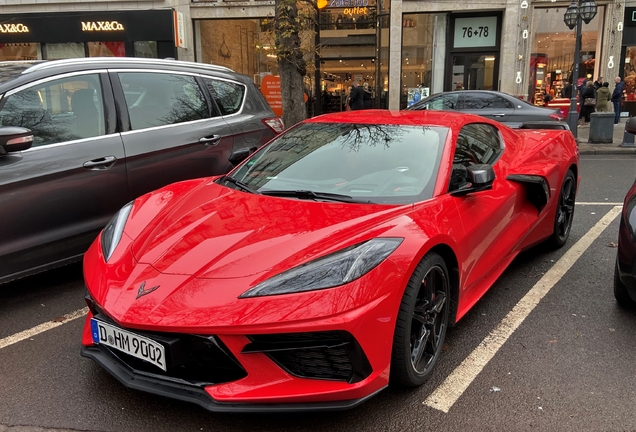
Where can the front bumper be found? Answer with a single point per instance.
(195, 394)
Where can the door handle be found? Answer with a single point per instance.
(498, 115)
(100, 164)
(210, 140)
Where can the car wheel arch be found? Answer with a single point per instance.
(450, 258)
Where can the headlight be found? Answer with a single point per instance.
(329, 271)
(113, 231)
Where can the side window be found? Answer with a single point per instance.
(447, 102)
(56, 111)
(477, 101)
(476, 144)
(159, 99)
(227, 95)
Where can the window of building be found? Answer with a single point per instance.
(146, 49)
(552, 57)
(57, 111)
(417, 57)
(158, 99)
(54, 51)
(106, 49)
(20, 51)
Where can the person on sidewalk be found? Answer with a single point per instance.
(603, 97)
(587, 109)
(617, 98)
(367, 96)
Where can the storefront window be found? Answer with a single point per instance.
(552, 58)
(106, 49)
(417, 57)
(147, 49)
(233, 44)
(20, 51)
(54, 51)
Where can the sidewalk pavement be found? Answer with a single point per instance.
(616, 147)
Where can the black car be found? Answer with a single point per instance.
(105, 131)
(625, 271)
(501, 107)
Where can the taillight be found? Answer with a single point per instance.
(275, 124)
(557, 117)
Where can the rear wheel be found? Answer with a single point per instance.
(421, 324)
(620, 292)
(565, 211)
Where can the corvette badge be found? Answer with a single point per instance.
(142, 292)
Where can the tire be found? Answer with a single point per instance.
(564, 211)
(620, 293)
(421, 324)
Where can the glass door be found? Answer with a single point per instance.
(474, 71)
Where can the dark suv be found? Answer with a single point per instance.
(105, 131)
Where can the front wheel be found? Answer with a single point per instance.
(421, 323)
(565, 211)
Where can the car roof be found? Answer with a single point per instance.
(404, 117)
(43, 69)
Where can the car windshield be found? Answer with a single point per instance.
(10, 69)
(391, 164)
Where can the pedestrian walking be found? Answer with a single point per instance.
(603, 97)
(617, 98)
(356, 97)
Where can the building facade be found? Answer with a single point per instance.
(403, 50)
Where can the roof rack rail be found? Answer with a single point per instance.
(136, 60)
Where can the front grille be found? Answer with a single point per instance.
(193, 359)
(333, 355)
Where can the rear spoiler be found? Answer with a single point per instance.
(547, 124)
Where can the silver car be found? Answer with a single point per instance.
(501, 107)
(105, 131)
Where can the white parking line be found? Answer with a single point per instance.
(604, 203)
(10, 340)
(458, 381)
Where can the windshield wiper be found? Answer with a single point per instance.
(307, 194)
(238, 183)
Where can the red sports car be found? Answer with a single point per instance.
(326, 265)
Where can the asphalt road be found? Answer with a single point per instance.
(570, 365)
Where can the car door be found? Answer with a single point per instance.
(492, 225)
(487, 105)
(58, 194)
(174, 132)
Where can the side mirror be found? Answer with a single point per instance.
(14, 139)
(480, 178)
(630, 126)
(240, 155)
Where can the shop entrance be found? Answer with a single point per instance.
(337, 76)
(474, 71)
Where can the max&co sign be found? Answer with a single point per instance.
(102, 26)
(13, 28)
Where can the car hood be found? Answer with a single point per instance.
(216, 232)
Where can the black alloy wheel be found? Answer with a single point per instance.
(421, 324)
(565, 211)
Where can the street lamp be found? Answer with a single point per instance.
(583, 11)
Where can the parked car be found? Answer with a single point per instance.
(494, 105)
(105, 131)
(625, 270)
(328, 264)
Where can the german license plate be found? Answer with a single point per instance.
(128, 342)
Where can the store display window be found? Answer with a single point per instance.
(20, 51)
(552, 57)
(417, 57)
(106, 49)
